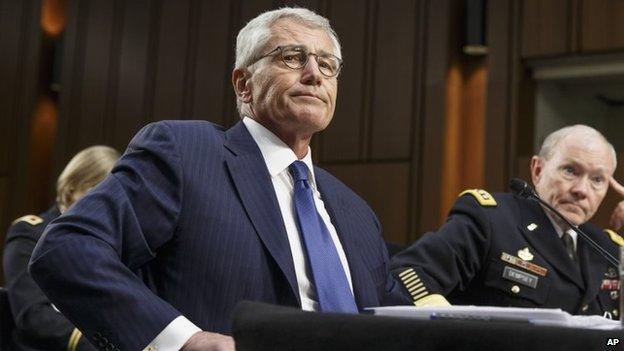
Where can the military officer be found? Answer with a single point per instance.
(503, 250)
(39, 326)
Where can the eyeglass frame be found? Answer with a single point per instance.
(280, 49)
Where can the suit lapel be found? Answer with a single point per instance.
(255, 189)
(544, 239)
(363, 293)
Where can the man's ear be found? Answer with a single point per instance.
(242, 85)
(537, 166)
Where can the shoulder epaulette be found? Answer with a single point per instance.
(30, 219)
(615, 237)
(483, 197)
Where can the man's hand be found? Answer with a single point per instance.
(206, 341)
(617, 217)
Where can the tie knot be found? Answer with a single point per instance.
(299, 171)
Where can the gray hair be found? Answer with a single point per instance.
(579, 130)
(257, 32)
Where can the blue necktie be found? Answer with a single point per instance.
(332, 287)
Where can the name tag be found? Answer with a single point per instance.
(521, 277)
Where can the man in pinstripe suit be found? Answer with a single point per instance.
(211, 214)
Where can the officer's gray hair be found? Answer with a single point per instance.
(579, 131)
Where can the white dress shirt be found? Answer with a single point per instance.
(277, 156)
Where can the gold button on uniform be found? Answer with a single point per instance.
(584, 308)
(515, 289)
(615, 312)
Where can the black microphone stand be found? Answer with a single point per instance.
(530, 194)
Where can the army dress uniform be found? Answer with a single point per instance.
(39, 326)
(503, 250)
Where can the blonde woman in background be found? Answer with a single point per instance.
(39, 326)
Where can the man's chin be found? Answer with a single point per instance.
(573, 217)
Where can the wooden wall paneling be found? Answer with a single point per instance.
(19, 63)
(22, 81)
(90, 123)
(251, 9)
(314, 5)
(170, 73)
(499, 134)
(392, 112)
(133, 63)
(546, 27)
(213, 63)
(414, 188)
(70, 81)
(389, 202)
(431, 131)
(11, 13)
(602, 27)
(343, 139)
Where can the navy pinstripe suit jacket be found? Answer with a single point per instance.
(192, 205)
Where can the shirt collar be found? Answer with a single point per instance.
(558, 227)
(277, 155)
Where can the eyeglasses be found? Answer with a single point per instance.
(296, 57)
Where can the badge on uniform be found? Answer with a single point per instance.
(519, 262)
(521, 277)
(610, 284)
(531, 227)
(525, 254)
(611, 273)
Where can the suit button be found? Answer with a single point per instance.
(515, 289)
(584, 308)
(615, 312)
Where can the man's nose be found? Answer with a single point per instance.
(310, 72)
(580, 187)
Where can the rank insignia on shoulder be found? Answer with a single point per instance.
(615, 237)
(30, 219)
(483, 197)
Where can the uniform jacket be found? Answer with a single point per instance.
(509, 254)
(193, 205)
(38, 325)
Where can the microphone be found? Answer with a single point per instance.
(524, 190)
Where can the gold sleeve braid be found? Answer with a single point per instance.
(413, 284)
(73, 340)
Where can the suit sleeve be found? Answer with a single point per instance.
(86, 258)
(38, 323)
(442, 261)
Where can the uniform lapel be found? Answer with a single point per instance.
(593, 266)
(364, 294)
(253, 184)
(544, 239)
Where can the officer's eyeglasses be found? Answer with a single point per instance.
(296, 57)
